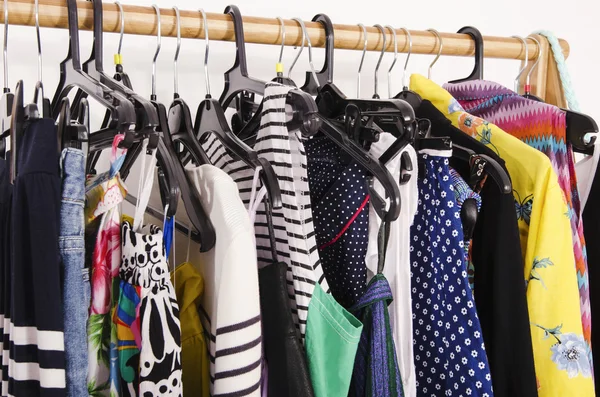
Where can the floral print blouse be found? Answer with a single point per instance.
(560, 351)
(104, 194)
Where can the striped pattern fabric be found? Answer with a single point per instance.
(231, 304)
(543, 127)
(293, 224)
(376, 372)
(6, 190)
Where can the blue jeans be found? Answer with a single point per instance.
(76, 285)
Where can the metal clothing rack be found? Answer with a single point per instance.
(140, 20)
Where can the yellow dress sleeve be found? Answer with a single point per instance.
(560, 352)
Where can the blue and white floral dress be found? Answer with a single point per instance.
(450, 356)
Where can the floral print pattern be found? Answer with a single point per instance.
(104, 193)
(539, 264)
(569, 353)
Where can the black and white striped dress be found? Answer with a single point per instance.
(293, 224)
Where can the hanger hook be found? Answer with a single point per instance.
(394, 61)
(282, 41)
(153, 96)
(410, 43)
(438, 37)
(537, 60)
(176, 58)
(39, 39)
(121, 33)
(300, 23)
(524, 63)
(383, 47)
(206, 40)
(310, 58)
(362, 59)
(5, 53)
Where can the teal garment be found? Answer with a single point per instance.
(332, 336)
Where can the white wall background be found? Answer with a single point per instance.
(575, 21)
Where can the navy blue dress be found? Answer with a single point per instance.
(450, 356)
(340, 202)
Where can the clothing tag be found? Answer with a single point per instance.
(85, 274)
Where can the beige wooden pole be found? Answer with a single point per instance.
(142, 21)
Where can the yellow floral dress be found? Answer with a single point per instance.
(560, 352)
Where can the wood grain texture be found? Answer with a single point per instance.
(141, 20)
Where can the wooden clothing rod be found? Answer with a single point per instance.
(142, 21)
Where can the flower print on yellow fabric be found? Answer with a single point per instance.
(569, 351)
(535, 273)
(550, 275)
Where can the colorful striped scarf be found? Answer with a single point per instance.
(376, 372)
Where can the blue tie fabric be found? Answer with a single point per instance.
(376, 372)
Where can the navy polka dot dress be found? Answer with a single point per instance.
(340, 201)
(450, 356)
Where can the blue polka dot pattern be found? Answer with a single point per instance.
(450, 356)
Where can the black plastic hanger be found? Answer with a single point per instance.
(390, 114)
(326, 74)
(578, 124)
(39, 86)
(72, 75)
(176, 177)
(17, 125)
(483, 164)
(181, 127)
(206, 235)
(373, 166)
(210, 119)
(146, 117)
(169, 184)
(7, 99)
(406, 94)
(346, 139)
(477, 73)
(303, 107)
(73, 133)
(237, 78)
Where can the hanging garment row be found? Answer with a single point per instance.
(432, 243)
